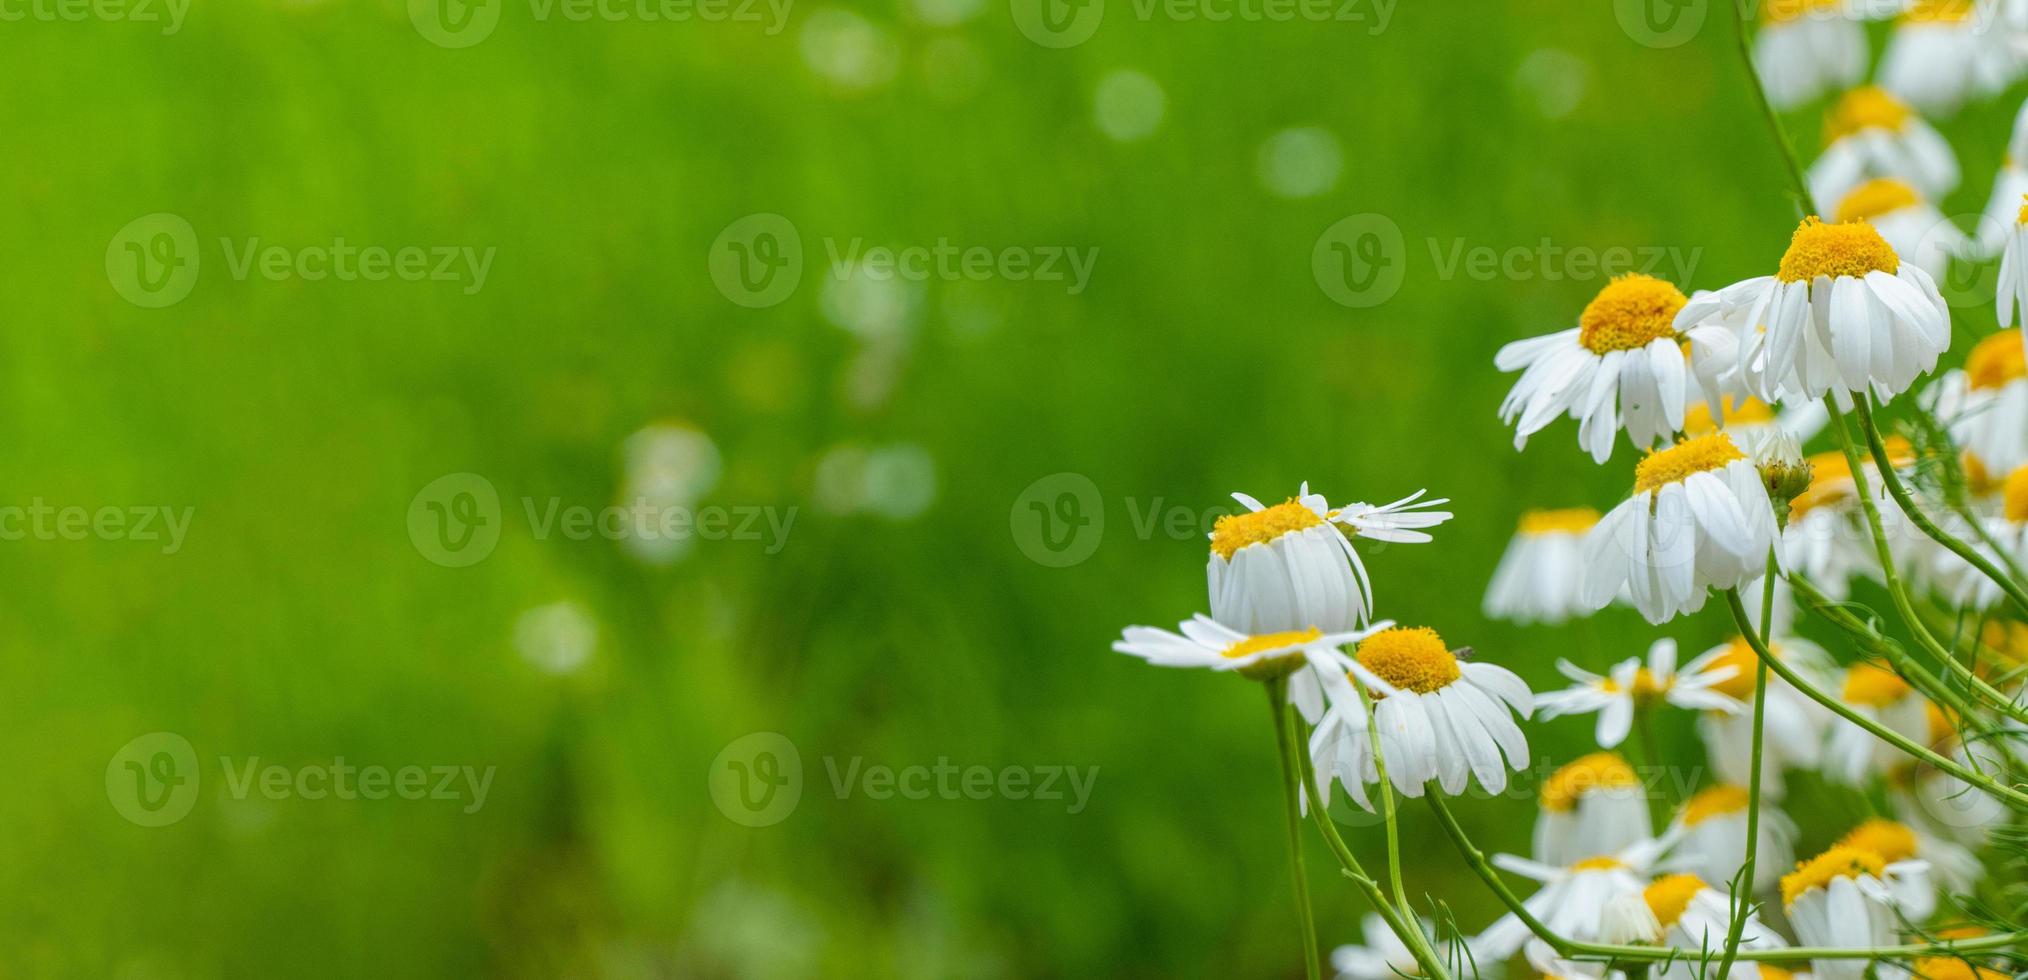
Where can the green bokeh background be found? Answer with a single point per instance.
(299, 420)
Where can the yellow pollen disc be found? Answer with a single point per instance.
(1601, 863)
(1681, 461)
(1978, 479)
(1837, 862)
(1599, 770)
(1569, 520)
(2021, 216)
(1845, 249)
(1769, 971)
(1630, 312)
(1891, 841)
(1953, 968)
(1996, 360)
(1781, 11)
(1873, 685)
(2014, 495)
(1746, 411)
(1232, 532)
(1716, 801)
(2007, 638)
(1941, 729)
(1668, 896)
(1268, 641)
(1745, 666)
(1412, 659)
(1868, 107)
(1938, 12)
(1875, 198)
(1647, 689)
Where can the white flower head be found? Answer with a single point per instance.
(1203, 643)
(1572, 900)
(1540, 576)
(1794, 725)
(1292, 566)
(1872, 133)
(1945, 51)
(1635, 686)
(1806, 48)
(1914, 227)
(1837, 899)
(1595, 803)
(1852, 753)
(1697, 918)
(1622, 363)
(1711, 832)
(1383, 957)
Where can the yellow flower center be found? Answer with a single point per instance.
(1630, 312)
(1716, 801)
(1268, 641)
(1600, 863)
(1938, 11)
(1891, 841)
(1745, 666)
(1668, 896)
(2021, 216)
(1781, 11)
(1978, 479)
(1941, 730)
(1599, 770)
(1232, 532)
(1951, 968)
(1996, 360)
(2014, 494)
(1412, 659)
(1868, 107)
(1647, 688)
(1875, 198)
(1837, 862)
(2007, 638)
(1569, 520)
(1746, 411)
(1844, 249)
(1873, 685)
(1769, 971)
(1681, 461)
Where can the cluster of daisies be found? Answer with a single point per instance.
(1719, 391)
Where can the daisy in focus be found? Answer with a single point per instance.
(1916, 230)
(1985, 404)
(1623, 360)
(1837, 899)
(1632, 687)
(1806, 48)
(1793, 724)
(1871, 133)
(1537, 578)
(1942, 53)
(1595, 803)
(1292, 566)
(1710, 829)
(1699, 519)
(1302, 656)
(1439, 718)
(1697, 918)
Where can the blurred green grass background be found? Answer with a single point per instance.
(299, 419)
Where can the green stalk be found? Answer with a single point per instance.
(1277, 693)
(1386, 809)
(1741, 892)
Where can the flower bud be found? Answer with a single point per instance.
(1783, 469)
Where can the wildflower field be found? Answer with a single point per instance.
(777, 489)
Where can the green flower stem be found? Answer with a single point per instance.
(1741, 891)
(1606, 952)
(2008, 794)
(1386, 809)
(1277, 693)
(1799, 188)
(1861, 407)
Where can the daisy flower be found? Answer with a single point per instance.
(1985, 404)
(1793, 730)
(1711, 832)
(1940, 53)
(1806, 48)
(1384, 957)
(1871, 133)
(2011, 289)
(1302, 656)
(1439, 718)
(1842, 313)
(1292, 566)
(1624, 358)
(1964, 585)
(1837, 899)
(1633, 686)
(2001, 217)
(1880, 696)
(1572, 900)
(1697, 918)
(1699, 519)
(1538, 575)
(1912, 226)
(1826, 540)
(1909, 857)
(1593, 804)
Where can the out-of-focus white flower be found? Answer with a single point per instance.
(1571, 901)
(1916, 230)
(1633, 686)
(1697, 919)
(1913, 863)
(1806, 48)
(1540, 577)
(1871, 133)
(1711, 832)
(1384, 957)
(1837, 899)
(1985, 404)
(1944, 51)
(1881, 696)
(1793, 725)
(1594, 803)
(558, 638)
